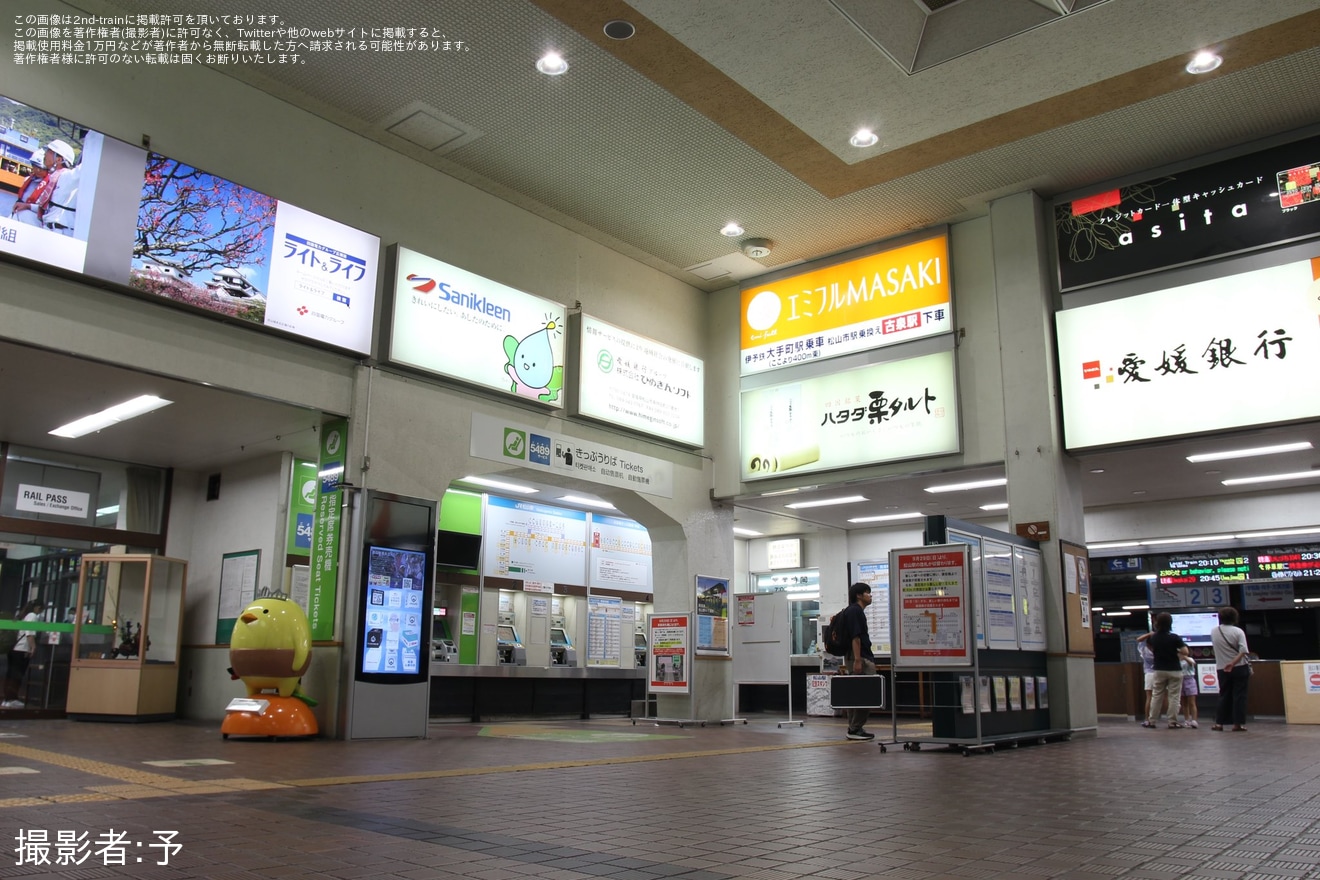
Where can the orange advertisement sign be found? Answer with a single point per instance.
(882, 299)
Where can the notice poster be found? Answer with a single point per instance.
(604, 628)
(1000, 605)
(1015, 693)
(746, 609)
(712, 616)
(1001, 692)
(1029, 585)
(1042, 692)
(618, 554)
(669, 670)
(1207, 678)
(875, 574)
(932, 613)
(1311, 675)
(1029, 692)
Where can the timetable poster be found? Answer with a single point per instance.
(932, 612)
(619, 555)
(875, 574)
(535, 542)
(712, 616)
(1000, 600)
(604, 630)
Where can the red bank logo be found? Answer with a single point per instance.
(421, 283)
(1090, 369)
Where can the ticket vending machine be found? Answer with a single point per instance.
(562, 652)
(389, 584)
(508, 646)
(639, 649)
(443, 649)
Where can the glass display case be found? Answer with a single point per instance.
(126, 637)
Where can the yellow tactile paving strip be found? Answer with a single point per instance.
(130, 783)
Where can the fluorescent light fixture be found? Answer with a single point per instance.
(1190, 539)
(1204, 62)
(1280, 533)
(783, 492)
(120, 412)
(1136, 607)
(552, 64)
(827, 502)
(976, 484)
(1148, 577)
(1267, 478)
(732, 230)
(1113, 545)
(1249, 453)
(1096, 609)
(1118, 614)
(587, 502)
(1312, 599)
(1002, 505)
(746, 533)
(106, 511)
(887, 517)
(499, 484)
(463, 492)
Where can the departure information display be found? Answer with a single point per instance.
(1290, 563)
(1205, 569)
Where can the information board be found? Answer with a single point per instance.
(604, 630)
(875, 574)
(931, 617)
(619, 554)
(530, 541)
(1075, 565)
(1000, 596)
(1029, 587)
(712, 616)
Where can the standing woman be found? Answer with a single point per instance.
(1230, 644)
(21, 655)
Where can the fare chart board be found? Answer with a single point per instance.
(932, 616)
(537, 542)
(620, 554)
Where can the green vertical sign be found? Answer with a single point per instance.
(325, 531)
(302, 508)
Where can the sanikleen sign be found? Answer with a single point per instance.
(883, 412)
(1228, 353)
(455, 323)
(883, 299)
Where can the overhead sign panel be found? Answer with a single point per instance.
(455, 323)
(638, 383)
(882, 299)
(1228, 353)
(1253, 201)
(883, 412)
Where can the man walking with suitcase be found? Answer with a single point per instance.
(859, 660)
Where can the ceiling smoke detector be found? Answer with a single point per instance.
(756, 248)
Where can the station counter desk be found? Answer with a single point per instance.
(486, 693)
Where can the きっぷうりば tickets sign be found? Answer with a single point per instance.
(897, 295)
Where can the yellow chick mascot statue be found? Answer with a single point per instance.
(270, 649)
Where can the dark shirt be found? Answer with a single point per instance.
(854, 621)
(1165, 645)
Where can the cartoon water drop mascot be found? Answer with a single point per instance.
(270, 649)
(532, 365)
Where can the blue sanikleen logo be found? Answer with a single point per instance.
(538, 451)
(303, 535)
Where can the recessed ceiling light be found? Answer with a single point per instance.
(1213, 473)
(1003, 505)
(1187, 539)
(499, 484)
(976, 484)
(1272, 478)
(827, 502)
(619, 29)
(1097, 470)
(120, 412)
(552, 64)
(1138, 491)
(886, 517)
(864, 137)
(1249, 453)
(106, 511)
(587, 502)
(732, 230)
(746, 533)
(1204, 62)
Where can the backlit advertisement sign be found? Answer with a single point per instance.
(455, 323)
(88, 203)
(638, 383)
(882, 299)
(883, 412)
(1227, 353)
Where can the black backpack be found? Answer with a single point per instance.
(836, 636)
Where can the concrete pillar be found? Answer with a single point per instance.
(1044, 484)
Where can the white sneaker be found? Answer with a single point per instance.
(1193, 725)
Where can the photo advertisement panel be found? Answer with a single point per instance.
(1231, 352)
(455, 323)
(74, 199)
(883, 412)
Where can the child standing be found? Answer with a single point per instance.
(1189, 692)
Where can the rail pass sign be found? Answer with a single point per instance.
(882, 299)
(1227, 353)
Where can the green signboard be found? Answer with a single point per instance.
(302, 508)
(325, 530)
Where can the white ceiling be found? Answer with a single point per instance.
(720, 110)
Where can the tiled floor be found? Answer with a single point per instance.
(569, 801)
